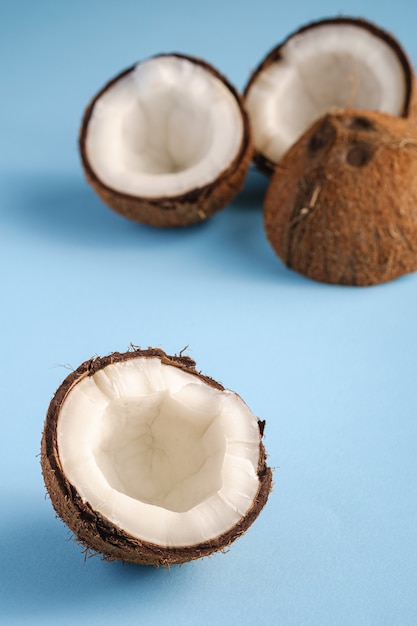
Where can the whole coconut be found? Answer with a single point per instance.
(342, 204)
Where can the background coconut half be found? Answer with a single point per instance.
(332, 64)
(341, 206)
(148, 461)
(166, 142)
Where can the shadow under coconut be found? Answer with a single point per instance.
(65, 209)
(253, 193)
(44, 574)
(240, 245)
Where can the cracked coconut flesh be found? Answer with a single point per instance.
(322, 69)
(163, 455)
(163, 129)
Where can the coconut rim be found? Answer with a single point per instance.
(274, 55)
(167, 202)
(112, 541)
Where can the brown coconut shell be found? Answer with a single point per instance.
(189, 208)
(342, 204)
(93, 530)
(409, 110)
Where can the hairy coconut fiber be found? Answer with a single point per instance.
(195, 204)
(93, 529)
(342, 205)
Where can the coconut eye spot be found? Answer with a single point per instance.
(326, 67)
(322, 138)
(360, 154)
(164, 128)
(360, 123)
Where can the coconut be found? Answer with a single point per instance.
(341, 206)
(332, 64)
(166, 142)
(148, 461)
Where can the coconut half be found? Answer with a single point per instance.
(328, 65)
(166, 142)
(148, 461)
(341, 206)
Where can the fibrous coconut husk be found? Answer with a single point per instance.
(342, 205)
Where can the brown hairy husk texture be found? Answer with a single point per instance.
(341, 206)
(409, 110)
(96, 532)
(189, 208)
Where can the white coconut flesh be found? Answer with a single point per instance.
(166, 457)
(163, 129)
(324, 68)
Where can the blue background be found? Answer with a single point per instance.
(331, 369)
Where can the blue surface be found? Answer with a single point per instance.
(332, 370)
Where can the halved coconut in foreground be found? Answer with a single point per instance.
(149, 461)
(341, 206)
(166, 142)
(332, 64)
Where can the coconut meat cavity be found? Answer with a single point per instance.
(321, 69)
(164, 128)
(161, 454)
